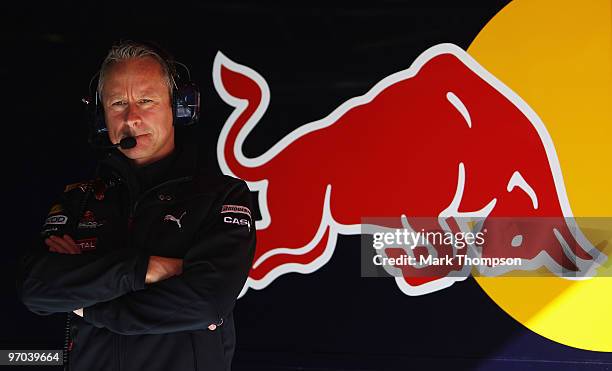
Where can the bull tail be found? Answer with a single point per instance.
(246, 91)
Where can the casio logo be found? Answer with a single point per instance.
(230, 220)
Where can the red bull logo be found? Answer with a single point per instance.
(443, 138)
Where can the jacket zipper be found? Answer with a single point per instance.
(67, 343)
(118, 342)
(193, 350)
(68, 339)
(117, 350)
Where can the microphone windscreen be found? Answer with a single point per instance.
(127, 143)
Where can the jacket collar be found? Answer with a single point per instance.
(119, 168)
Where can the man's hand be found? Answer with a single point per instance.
(161, 268)
(65, 245)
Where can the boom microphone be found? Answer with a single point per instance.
(126, 143)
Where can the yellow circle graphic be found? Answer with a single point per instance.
(557, 56)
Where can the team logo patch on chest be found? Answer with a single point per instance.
(89, 221)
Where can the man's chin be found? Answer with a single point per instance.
(135, 154)
(141, 158)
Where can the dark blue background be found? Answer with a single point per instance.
(314, 56)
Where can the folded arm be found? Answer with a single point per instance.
(214, 271)
(51, 282)
(55, 277)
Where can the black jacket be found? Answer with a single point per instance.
(127, 325)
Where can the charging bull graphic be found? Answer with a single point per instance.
(443, 138)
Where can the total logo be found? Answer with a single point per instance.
(87, 244)
(516, 126)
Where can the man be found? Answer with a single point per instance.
(151, 254)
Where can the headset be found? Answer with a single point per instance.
(185, 100)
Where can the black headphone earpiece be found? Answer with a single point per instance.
(185, 99)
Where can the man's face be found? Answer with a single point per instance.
(136, 103)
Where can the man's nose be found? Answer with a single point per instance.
(132, 115)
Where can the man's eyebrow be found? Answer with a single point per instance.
(111, 96)
(144, 92)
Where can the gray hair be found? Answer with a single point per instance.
(128, 50)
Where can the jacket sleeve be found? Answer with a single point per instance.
(215, 269)
(52, 282)
(49, 282)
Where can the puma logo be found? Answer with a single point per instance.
(174, 219)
